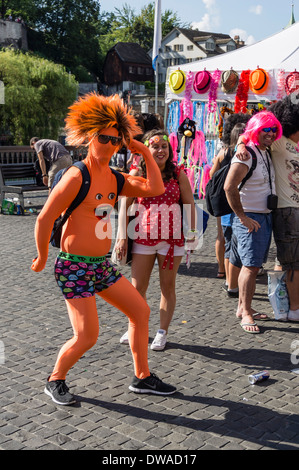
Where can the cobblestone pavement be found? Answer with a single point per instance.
(208, 358)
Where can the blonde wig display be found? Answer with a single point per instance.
(92, 113)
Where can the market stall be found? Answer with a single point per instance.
(199, 95)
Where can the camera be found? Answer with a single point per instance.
(272, 201)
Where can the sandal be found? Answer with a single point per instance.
(244, 327)
(261, 316)
(220, 275)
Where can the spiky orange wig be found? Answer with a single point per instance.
(93, 113)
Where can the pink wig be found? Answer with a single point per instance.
(258, 122)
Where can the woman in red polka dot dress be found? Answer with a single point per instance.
(158, 227)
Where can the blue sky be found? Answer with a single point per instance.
(252, 20)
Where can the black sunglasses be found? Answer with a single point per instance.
(104, 139)
(268, 129)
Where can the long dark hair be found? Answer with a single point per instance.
(287, 113)
(169, 170)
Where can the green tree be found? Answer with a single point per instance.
(69, 30)
(127, 26)
(37, 96)
(26, 9)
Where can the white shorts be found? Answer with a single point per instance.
(161, 248)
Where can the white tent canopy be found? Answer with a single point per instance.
(280, 51)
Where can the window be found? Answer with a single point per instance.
(210, 46)
(167, 48)
(178, 47)
(189, 48)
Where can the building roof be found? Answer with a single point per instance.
(194, 34)
(131, 52)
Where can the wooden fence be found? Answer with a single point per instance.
(14, 155)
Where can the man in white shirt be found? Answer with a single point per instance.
(252, 207)
(285, 155)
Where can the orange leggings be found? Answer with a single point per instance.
(84, 319)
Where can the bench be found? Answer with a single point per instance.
(18, 179)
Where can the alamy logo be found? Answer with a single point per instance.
(2, 98)
(165, 222)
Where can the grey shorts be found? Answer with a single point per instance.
(286, 235)
(63, 162)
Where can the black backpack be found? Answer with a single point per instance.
(60, 221)
(217, 203)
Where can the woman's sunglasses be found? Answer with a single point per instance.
(104, 139)
(268, 129)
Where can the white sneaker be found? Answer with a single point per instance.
(293, 315)
(159, 342)
(125, 338)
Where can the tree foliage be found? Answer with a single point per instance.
(37, 96)
(127, 26)
(77, 34)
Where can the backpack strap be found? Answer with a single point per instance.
(120, 180)
(251, 170)
(85, 185)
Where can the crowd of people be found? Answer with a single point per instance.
(267, 203)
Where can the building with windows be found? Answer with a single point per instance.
(125, 64)
(181, 46)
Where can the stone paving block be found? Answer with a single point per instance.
(208, 357)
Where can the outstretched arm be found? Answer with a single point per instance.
(152, 185)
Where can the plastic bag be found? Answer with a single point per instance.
(7, 207)
(278, 294)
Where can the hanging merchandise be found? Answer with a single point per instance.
(173, 117)
(280, 84)
(186, 134)
(292, 82)
(242, 92)
(177, 81)
(258, 81)
(173, 140)
(229, 81)
(203, 177)
(211, 123)
(198, 113)
(212, 103)
(202, 82)
(186, 104)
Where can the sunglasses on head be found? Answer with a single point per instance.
(268, 129)
(104, 139)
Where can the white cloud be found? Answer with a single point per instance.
(210, 20)
(205, 24)
(209, 4)
(256, 9)
(244, 36)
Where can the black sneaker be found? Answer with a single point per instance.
(151, 384)
(59, 392)
(233, 294)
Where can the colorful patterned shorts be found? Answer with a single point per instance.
(83, 276)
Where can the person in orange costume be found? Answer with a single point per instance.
(104, 124)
